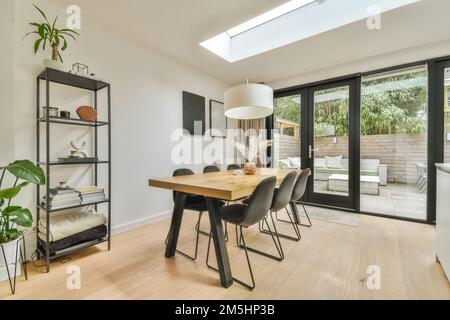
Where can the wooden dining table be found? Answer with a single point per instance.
(214, 187)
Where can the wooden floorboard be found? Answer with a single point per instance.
(330, 262)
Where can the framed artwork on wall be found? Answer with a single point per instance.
(217, 121)
(193, 111)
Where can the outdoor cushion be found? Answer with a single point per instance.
(331, 170)
(295, 162)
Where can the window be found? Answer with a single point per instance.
(287, 117)
(394, 144)
(291, 22)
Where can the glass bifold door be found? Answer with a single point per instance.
(365, 140)
(315, 128)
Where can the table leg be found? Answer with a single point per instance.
(177, 217)
(223, 262)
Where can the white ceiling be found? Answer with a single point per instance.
(176, 27)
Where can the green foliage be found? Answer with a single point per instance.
(282, 165)
(48, 34)
(397, 109)
(288, 108)
(11, 216)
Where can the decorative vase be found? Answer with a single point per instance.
(250, 168)
(52, 64)
(12, 259)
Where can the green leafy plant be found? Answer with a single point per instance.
(398, 109)
(12, 216)
(48, 34)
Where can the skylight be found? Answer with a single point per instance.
(291, 22)
(268, 16)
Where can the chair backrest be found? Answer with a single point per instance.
(179, 173)
(284, 193)
(259, 202)
(210, 169)
(233, 167)
(300, 185)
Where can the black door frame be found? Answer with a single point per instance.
(326, 199)
(307, 136)
(436, 130)
(270, 123)
(436, 68)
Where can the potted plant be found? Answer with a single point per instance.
(14, 218)
(256, 148)
(48, 35)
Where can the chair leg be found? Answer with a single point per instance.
(197, 228)
(250, 287)
(297, 237)
(275, 239)
(193, 258)
(309, 225)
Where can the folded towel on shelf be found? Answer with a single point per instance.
(66, 225)
(96, 233)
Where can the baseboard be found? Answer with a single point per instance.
(140, 223)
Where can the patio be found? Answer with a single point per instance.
(395, 199)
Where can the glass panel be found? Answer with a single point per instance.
(394, 118)
(331, 152)
(447, 115)
(287, 134)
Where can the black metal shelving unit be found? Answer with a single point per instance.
(63, 78)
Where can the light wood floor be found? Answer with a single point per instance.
(328, 263)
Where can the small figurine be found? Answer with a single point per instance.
(78, 150)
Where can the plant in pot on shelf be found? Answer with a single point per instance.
(13, 218)
(255, 149)
(49, 36)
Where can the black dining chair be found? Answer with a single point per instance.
(194, 203)
(298, 193)
(281, 198)
(233, 167)
(210, 169)
(246, 215)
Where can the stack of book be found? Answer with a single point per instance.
(91, 195)
(62, 198)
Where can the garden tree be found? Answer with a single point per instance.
(288, 108)
(400, 108)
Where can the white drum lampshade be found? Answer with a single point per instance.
(249, 101)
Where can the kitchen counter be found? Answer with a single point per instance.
(444, 167)
(443, 217)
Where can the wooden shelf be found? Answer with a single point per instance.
(72, 80)
(73, 207)
(73, 122)
(70, 250)
(73, 163)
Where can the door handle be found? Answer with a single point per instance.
(311, 150)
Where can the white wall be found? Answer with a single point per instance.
(6, 84)
(146, 108)
(434, 50)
